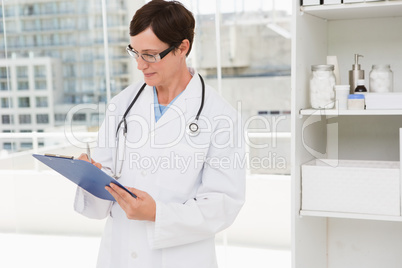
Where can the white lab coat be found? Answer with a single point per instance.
(198, 183)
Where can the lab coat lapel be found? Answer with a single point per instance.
(180, 108)
(177, 109)
(146, 105)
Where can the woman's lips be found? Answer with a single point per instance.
(149, 75)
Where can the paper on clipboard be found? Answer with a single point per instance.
(82, 173)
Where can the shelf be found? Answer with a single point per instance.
(335, 206)
(355, 10)
(349, 112)
(349, 215)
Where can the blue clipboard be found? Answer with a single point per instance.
(82, 173)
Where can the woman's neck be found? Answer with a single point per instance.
(167, 92)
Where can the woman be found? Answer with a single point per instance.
(188, 187)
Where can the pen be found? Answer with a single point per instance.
(89, 153)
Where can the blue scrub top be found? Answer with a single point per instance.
(161, 109)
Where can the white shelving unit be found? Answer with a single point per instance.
(349, 112)
(338, 239)
(355, 10)
(349, 216)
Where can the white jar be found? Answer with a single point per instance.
(341, 96)
(322, 82)
(381, 78)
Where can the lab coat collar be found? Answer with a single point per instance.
(181, 107)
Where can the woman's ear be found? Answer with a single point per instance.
(184, 47)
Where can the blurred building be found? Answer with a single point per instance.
(72, 32)
(254, 59)
(27, 97)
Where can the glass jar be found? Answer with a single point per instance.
(381, 78)
(322, 82)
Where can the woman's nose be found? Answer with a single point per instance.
(141, 64)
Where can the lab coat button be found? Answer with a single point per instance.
(153, 134)
(144, 173)
(134, 255)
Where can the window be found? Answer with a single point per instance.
(23, 102)
(23, 85)
(3, 72)
(42, 119)
(24, 119)
(41, 102)
(29, 41)
(6, 103)
(26, 145)
(67, 23)
(87, 70)
(69, 70)
(3, 86)
(38, 40)
(12, 27)
(22, 71)
(70, 85)
(87, 55)
(79, 117)
(8, 146)
(96, 119)
(60, 117)
(82, 23)
(40, 71)
(87, 85)
(40, 85)
(29, 26)
(7, 119)
(13, 42)
(27, 10)
(47, 39)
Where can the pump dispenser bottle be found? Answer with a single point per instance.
(355, 74)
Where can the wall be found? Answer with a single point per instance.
(42, 203)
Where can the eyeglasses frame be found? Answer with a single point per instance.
(157, 57)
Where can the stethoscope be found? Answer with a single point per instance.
(192, 129)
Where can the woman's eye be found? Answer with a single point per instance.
(149, 57)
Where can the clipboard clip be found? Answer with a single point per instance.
(60, 156)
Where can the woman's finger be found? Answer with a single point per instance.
(137, 192)
(98, 165)
(121, 192)
(116, 195)
(83, 157)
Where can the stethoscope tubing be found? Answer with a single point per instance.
(123, 120)
(192, 128)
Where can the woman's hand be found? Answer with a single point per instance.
(141, 208)
(85, 158)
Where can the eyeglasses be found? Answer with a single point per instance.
(148, 57)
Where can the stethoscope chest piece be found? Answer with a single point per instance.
(192, 129)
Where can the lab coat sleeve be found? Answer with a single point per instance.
(85, 203)
(217, 203)
(91, 206)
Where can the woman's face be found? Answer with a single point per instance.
(157, 73)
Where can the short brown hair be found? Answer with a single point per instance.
(169, 20)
